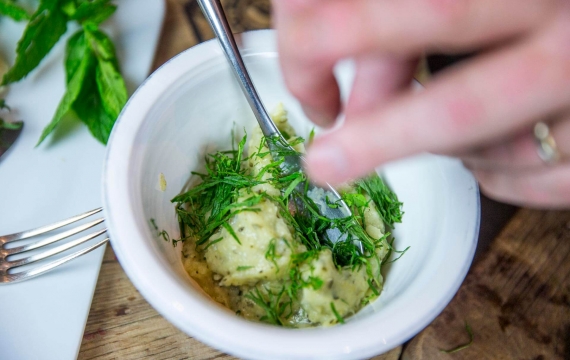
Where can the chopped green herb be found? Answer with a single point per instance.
(311, 137)
(297, 179)
(355, 199)
(212, 202)
(230, 230)
(339, 318)
(270, 254)
(164, 234)
(271, 303)
(373, 287)
(316, 282)
(153, 223)
(243, 268)
(225, 188)
(332, 204)
(386, 201)
(212, 242)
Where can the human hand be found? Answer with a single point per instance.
(482, 110)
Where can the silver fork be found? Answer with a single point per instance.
(7, 275)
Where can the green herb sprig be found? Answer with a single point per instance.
(95, 90)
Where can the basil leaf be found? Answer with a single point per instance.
(101, 44)
(93, 12)
(74, 87)
(104, 92)
(75, 51)
(111, 88)
(13, 11)
(110, 83)
(43, 31)
(89, 108)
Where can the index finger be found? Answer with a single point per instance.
(475, 104)
(313, 35)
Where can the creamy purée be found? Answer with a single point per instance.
(228, 271)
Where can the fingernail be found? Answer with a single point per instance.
(318, 117)
(327, 164)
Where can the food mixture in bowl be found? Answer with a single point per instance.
(252, 250)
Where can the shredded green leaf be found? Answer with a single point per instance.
(271, 303)
(311, 137)
(225, 188)
(386, 201)
(339, 318)
(271, 255)
(243, 268)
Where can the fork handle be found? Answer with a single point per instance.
(214, 12)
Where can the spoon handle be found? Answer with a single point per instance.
(214, 12)
(292, 162)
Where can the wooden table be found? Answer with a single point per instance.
(516, 297)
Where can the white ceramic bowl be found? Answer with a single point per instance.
(189, 106)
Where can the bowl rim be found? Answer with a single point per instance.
(178, 304)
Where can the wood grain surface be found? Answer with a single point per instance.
(516, 297)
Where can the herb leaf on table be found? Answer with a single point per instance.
(45, 28)
(73, 89)
(96, 90)
(93, 12)
(10, 9)
(110, 83)
(89, 108)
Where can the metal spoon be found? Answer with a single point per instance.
(293, 161)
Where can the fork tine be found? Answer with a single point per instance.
(25, 275)
(51, 239)
(56, 250)
(43, 229)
